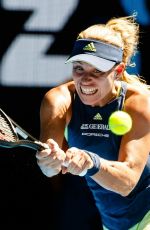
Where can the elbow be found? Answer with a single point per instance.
(127, 188)
(125, 193)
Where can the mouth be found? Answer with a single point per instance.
(88, 91)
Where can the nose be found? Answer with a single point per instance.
(86, 77)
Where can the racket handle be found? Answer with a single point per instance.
(81, 174)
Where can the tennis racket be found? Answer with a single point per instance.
(12, 135)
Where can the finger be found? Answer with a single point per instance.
(79, 165)
(42, 154)
(60, 155)
(74, 164)
(49, 171)
(52, 144)
(56, 152)
(64, 169)
(54, 164)
(70, 153)
(51, 158)
(88, 164)
(49, 163)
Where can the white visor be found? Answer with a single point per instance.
(99, 63)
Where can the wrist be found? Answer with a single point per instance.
(96, 164)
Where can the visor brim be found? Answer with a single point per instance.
(101, 64)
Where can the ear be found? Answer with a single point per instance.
(120, 68)
(118, 71)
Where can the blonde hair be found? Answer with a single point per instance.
(122, 32)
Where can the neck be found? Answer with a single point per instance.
(111, 96)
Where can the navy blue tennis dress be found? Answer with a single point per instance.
(88, 129)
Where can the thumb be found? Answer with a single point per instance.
(64, 169)
(52, 144)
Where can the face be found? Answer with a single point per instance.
(93, 86)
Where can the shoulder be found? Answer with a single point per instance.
(61, 94)
(138, 100)
(58, 99)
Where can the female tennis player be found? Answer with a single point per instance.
(74, 122)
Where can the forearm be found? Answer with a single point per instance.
(119, 177)
(116, 176)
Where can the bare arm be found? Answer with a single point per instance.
(54, 112)
(122, 176)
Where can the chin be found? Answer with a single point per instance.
(87, 101)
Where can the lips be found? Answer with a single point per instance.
(88, 91)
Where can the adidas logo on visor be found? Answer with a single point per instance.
(90, 47)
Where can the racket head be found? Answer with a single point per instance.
(7, 130)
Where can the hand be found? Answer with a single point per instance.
(50, 160)
(77, 161)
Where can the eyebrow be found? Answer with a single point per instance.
(77, 62)
(93, 68)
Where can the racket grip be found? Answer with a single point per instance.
(65, 164)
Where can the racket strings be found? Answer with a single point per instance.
(5, 131)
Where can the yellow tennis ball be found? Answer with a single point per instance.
(120, 122)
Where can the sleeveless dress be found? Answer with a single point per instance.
(89, 130)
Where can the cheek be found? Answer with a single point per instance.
(76, 84)
(76, 80)
(104, 86)
(107, 81)
(75, 77)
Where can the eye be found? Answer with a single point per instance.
(97, 71)
(77, 69)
